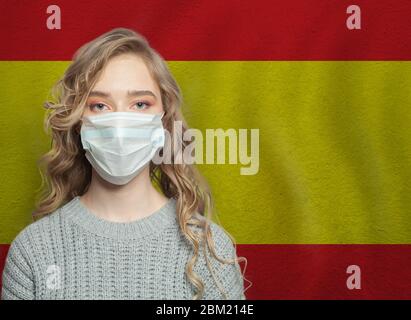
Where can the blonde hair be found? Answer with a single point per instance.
(66, 172)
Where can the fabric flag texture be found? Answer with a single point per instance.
(332, 106)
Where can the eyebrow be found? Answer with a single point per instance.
(130, 93)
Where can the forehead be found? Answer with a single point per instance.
(126, 72)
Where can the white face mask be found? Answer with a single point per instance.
(120, 144)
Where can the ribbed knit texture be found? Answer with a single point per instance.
(74, 254)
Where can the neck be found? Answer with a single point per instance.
(123, 203)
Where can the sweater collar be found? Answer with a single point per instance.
(155, 222)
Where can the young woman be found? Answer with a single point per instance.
(111, 222)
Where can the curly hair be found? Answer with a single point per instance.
(66, 172)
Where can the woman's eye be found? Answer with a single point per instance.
(98, 105)
(142, 105)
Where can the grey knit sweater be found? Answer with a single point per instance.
(74, 254)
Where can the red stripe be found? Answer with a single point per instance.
(214, 30)
(319, 271)
(4, 248)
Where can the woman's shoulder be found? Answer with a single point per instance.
(218, 233)
(35, 232)
(229, 274)
(28, 247)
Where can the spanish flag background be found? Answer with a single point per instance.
(332, 105)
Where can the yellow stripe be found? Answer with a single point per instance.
(335, 159)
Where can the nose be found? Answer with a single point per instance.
(121, 106)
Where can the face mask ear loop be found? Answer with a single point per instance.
(162, 115)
